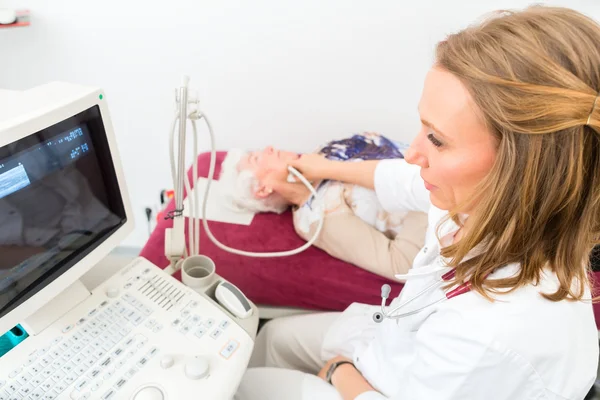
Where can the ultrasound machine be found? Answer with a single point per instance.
(139, 335)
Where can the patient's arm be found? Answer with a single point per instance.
(349, 238)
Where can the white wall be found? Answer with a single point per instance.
(287, 73)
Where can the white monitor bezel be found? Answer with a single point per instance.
(61, 101)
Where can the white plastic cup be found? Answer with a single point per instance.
(198, 272)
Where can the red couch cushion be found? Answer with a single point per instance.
(312, 279)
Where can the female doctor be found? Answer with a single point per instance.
(496, 305)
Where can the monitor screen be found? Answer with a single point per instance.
(59, 200)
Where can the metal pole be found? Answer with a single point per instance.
(183, 99)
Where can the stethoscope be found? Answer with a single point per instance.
(385, 292)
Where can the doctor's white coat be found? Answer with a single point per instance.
(521, 346)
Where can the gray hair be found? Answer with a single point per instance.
(239, 186)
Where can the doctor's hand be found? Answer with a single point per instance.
(313, 166)
(323, 372)
(346, 379)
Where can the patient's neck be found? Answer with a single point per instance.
(296, 194)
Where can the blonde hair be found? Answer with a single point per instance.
(534, 76)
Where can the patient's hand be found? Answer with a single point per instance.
(313, 166)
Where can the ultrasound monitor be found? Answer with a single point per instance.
(63, 199)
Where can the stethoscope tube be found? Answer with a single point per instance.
(385, 291)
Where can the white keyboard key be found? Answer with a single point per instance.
(37, 380)
(61, 386)
(106, 362)
(26, 390)
(47, 373)
(15, 372)
(95, 387)
(24, 378)
(224, 324)
(99, 353)
(106, 346)
(94, 373)
(37, 394)
(58, 363)
(36, 369)
(108, 375)
(15, 396)
(63, 346)
(30, 360)
(87, 351)
(216, 333)
(89, 361)
(81, 384)
(59, 375)
(152, 352)
(68, 354)
(157, 328)
(71, 377)
(200, 332)
(47, 385)
(209, 323)
(78, 347)
(142, 362)
(132, 371)
(55, 352)
(184, 329)
(50, 396)
(78, 359)
(115, 337)
(12, 387)
(119, 384)
(68, 367)
(109, 395)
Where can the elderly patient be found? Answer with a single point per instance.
(356, 228)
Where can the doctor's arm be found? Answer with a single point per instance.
(398, 185)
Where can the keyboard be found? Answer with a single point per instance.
(141, 330)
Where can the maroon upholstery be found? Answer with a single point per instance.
(311, 280)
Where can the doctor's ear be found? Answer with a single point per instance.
(263, 192)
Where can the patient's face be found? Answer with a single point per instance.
(454, 148)
(268, 164)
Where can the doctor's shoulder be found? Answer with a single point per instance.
(524, 322)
